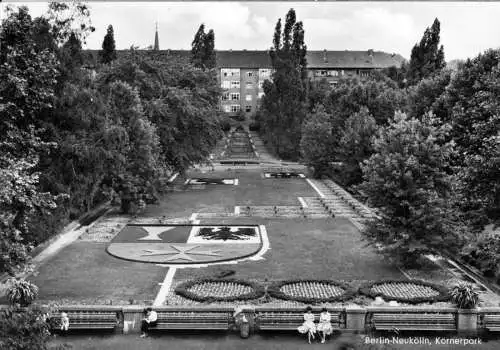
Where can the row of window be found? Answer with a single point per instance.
(328, 73)
(235, 72)
(235, 96)
(236, 108)
(235, 84)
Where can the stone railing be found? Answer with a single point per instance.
(353, 318)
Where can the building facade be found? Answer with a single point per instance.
(242, 73)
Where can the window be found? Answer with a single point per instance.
(261, 94)
(250, 74)
(249, 85)
(235, 84)
(230, 72)
(248, 109)
(248, 97)
(333, 83)
(235, 96)
(264, 74)
(227, 108)
(225, 96)
(225, 84)
(235, 108)
(333, 73)
(342, 72)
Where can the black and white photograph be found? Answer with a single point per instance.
(225, 175)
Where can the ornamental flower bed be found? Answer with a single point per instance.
(310, 291)
(412, 292)
(206, 290)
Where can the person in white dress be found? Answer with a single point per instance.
(325, 325)
(308, 326)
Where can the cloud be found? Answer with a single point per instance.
(466, 29)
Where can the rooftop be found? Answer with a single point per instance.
(315, 59)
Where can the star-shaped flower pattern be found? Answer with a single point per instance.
(181, 253)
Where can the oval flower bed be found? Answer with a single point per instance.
(219, 290)
(412, 292)
(310, 291)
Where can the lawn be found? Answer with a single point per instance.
(83, 273)
(319, 249)
(251, 190)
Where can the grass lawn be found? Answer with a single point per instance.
(319, 249)
(85, 273)
(213, 341)
(251, 190)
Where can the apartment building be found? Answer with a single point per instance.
(242, 73)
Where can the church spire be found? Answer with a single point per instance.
(157, 42)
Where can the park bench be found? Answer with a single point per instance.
(88, 318)
(289, 319)
(414, 321)
(491, 322)
(211, 319)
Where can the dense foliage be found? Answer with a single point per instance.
(73, 137)
(284, 105)
(406, 177)
(108, 52)
(427, 57)
(23, 330)
(203, 49)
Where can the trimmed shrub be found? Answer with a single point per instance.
(464, 296)
(21, 292)
(310, 291)
(215, 289)
(414, 294)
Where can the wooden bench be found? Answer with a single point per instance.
(491, 322)
(414, 321)
(201, 319)
(289, 320)
(87, 319)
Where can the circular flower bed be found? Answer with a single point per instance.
(412, 292)
(310, 291)
(219, 290)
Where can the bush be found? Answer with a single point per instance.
(465, 296)
(484, 254)
(25, 330)
(254, 126)
(442, 295)
(21, 292)
(225, 125)
(184, 290)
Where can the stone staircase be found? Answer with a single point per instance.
(340, 203)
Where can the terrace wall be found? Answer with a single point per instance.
(355, 319)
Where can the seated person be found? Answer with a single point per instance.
(150, 320)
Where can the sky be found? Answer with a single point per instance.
(466, 28)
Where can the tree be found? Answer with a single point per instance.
(203, 49)
(356, 144)
(16, 325)
(285, 102)
(28, 74)
(470, 103)
(427, 57)
(406, 179)
(316, 142)
(108, 52)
